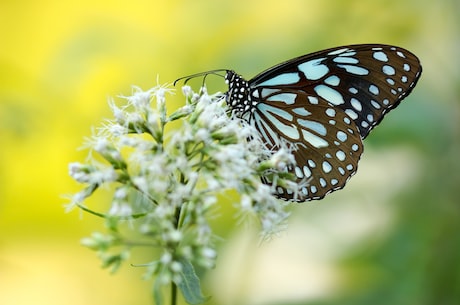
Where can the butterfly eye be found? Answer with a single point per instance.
(324, 104)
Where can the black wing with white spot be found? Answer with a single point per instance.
(323, 104)
(366, 81)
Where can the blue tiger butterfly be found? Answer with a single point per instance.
(323, 105)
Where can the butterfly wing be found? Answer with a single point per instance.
(324, 103)
(326, 153)
(365, 81)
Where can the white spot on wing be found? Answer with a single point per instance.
(313, 100)
(345, 60)
(340, 155)
(322, 182)
(306, 171)
(288, 130)
(374, 89)
(301, 111)
(354, 69)
(329, 94)
(327, 167)
(375, 104)
(335, 52)
(351, 114)
(332, 80)
(312, 125)
(342, 136)
(314, 140)
(313, 69)
(356, 104)
(282, 79)
(288, 98)
(298, 172)
(330, 112)
(388, 70)
(400, 54)
(267, 91)
(304, 190)
(380, 56)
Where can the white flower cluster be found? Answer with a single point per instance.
(166, 182)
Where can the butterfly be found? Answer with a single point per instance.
(323, 105)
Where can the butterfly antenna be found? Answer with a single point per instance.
(204, 74)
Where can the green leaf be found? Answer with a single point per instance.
(157, 295)
(190, 284)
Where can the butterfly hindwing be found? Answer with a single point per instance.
(326, 153)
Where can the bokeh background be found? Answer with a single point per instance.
(392, 236)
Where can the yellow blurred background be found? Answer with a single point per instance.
(390, 237)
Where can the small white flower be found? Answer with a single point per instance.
(175, 236)
(209, 201)
(135, 119)
(75, 169)
(195, 97)
(120, 209)
(121, 193)
(209, 253)
(160, 95)
(203, 135)
(79, 197)
(103, 176)
(176, 267)
(163, 212)
(281, 158)
(114, 130)
(186, 91)
(118, 113)
(101, 145)
(140, 99)
(75, 200)
(166, 258)
(213, 184)
(246, 202)
(141, 183)
(154, 120)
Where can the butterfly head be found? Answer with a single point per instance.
(238, 95)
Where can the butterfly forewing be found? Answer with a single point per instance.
(322, 105)
(365, 81)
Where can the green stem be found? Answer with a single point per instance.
(177, 216)
(173, 293)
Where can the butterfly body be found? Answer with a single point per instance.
(322, 105)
